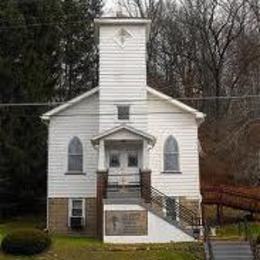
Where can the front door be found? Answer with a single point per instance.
(123, 164)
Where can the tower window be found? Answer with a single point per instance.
(123, 112)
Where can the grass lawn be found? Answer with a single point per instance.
(233, 231)
(79, 248)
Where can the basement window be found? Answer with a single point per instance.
(123, 112)
(77, 213)
(77, 208)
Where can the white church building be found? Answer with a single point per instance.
(123, 162)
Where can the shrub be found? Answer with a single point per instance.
(25, 242)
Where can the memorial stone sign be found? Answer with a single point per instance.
(126, 223)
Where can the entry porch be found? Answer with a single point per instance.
(123, 156)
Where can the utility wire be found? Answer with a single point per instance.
(130, 101)
(107, 114)
(54, 15)
(19, 23)
(39, 24)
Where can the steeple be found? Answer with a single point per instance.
(122, 61)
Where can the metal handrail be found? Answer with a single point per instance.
(183, 214)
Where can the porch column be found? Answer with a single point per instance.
(101, 187)
(101, 156)
(145, 176)
(145, 155)
(101, 194)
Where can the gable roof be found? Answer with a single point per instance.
(72, 102)
(199, 115)
(180, 105)
(128, 128)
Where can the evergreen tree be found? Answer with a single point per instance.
(47, 52)
(29, 70)
(78, 45)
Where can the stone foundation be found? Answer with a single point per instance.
(58, 217)
(191, 204)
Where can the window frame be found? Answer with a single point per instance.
(70, 210)
(176, 207)
(176, 153)
(128, 114)
(111, 153)
(130, 153)
(70, 154)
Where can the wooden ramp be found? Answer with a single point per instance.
(241, 198)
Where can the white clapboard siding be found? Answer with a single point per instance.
(138, 111)
(63, 127)
(183, 127)
(122, 75)
(122, 81)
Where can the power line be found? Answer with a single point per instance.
(19, 23)
(39, 24)
(130, 101)
(100, 114)
(106, 114)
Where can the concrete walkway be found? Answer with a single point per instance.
(231, 250)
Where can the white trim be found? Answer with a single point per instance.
(73, 171)
(182, 106)
(83, 210)
(68, 104)
(96, 139)
(111, 20)
(129, 112)
(122, 21)
(199, 115)
(176, 153)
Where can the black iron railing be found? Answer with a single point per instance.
(172, 209)
(132, 186)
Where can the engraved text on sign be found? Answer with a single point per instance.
(126, 223)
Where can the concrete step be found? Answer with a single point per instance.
(231, 250)
(129, 194)
(119, 201)
(233, 258)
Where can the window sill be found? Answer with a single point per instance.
(75, 173)
(171, 172)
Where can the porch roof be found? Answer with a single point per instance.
(95, 140)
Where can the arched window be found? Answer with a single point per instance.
(75, 155)
(171, 155)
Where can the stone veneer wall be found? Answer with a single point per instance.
(58, 217)
(191, 204)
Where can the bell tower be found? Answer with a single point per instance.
(122, 69)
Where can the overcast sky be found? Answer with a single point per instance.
(109, 3)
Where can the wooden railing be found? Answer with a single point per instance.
(232, 197)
